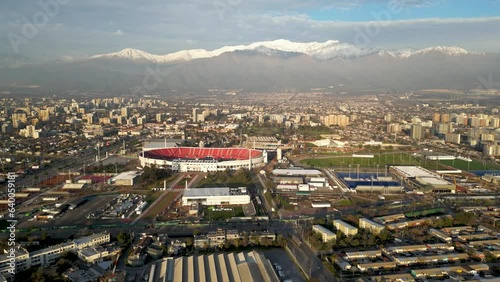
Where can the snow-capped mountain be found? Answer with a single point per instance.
(268, 65)
(447, 50)
(319, 50)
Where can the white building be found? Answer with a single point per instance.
(326, 234)
(216, 196)
(50, 255)
(371, 225)
(345, 228)
(126, 178)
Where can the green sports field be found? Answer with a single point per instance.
(474, 165)
(381, 160)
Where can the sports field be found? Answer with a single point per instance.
(381, 160)
(474, 165)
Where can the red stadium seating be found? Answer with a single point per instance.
(202, 153)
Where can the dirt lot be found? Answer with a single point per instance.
(55, 180)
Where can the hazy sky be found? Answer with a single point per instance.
(80, 28)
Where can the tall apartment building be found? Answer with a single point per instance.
(436, 117)
(452, 138)
(417, 132)
(44, 115)
(445, 118)
(18, 119)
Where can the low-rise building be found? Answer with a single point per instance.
(440, 235)
(48, 256)
(345, 228)
(128, 178)
(326, 234)
(363, 255)
(216, 196)
(370, 225)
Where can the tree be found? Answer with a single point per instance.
(189, 242)
(254, 239)
(264, 241)
(244, 241)
(44, 236)
(38, 276)
(236, 242)
(281, 240)
(465, 218)
(123, 238)
(62, 265)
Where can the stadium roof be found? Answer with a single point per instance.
(197, 153)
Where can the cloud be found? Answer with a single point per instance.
(118, 32)
(160, 27)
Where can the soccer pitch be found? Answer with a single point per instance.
(380, 160)
(464, 165)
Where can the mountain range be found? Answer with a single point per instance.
(265, 66)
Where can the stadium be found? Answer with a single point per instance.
(191, 159)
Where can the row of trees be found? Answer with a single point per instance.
(252, 241)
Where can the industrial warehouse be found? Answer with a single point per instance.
(216, 196)
(238, 267)
(422, 179)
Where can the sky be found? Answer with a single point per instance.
(73, 29)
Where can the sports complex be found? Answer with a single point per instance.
(194, 159)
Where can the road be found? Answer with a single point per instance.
(310, 264)
(264, 188)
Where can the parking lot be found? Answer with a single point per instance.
(78, 215)
(289, 269)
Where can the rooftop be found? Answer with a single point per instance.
(297, 172)
(127, 175)
(217, 191)
(414, 171)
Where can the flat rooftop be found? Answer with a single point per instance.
(414, 171)
(209, 192)
(434, 181)
(127, 175)
(296, 172)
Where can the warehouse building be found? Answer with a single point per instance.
(370, 225)
(128, 178)
(237, 267)
(297, 172)
(345, 228)
(423, 178)
(216, 196)
(326, 234)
